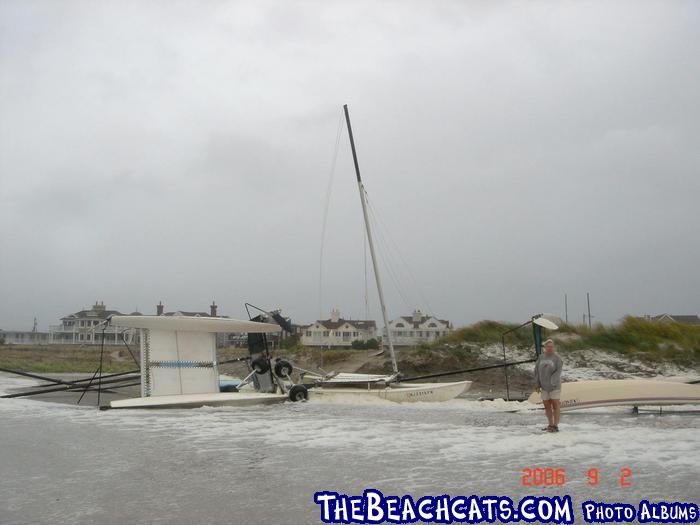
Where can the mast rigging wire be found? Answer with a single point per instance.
(364, 249)
(385, 256)
(329, 190)
(388, 265)
(385, 232)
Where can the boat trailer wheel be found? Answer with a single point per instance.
(298, 393)
(283, 368)
(260, 365)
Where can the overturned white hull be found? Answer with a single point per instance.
(239, 399)
(624, 392)
(398, 393)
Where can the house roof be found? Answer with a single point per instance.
(189, 314)
(103, 313)
(359, 324)
(679, 318)
(194, 324)
(424, 318)
(92, 314)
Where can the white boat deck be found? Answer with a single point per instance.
(200, 400)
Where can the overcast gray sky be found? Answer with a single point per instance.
(514, 151)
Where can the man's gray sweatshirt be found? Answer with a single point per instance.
(548, 371)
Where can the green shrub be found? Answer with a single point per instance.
(290, 342)
(370, 344)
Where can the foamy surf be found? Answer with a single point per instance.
(134, 458)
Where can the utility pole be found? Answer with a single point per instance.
(566, 310)
(588, 300)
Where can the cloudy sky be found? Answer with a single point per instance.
(513, 152)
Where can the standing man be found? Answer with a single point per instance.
(548, 379)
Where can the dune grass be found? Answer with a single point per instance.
(654, 341)
(489, 332)
(328, 355)
(634, 337)
(64, 358)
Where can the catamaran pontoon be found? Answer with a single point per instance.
(385, 387)
(624, 392)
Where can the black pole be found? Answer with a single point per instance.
(566, 309)
(505, 368)
(588, 299)
(266, 347)
(124, 385)
(62, 388)
(466, 370)
(352, 143)
(129, 349)
(537, 334)
(107, 376)
(87, 387)
(37, 376)
(237, 359)
(46, 390)
(517, 327)
(65, 385)
(503, 344)
(102, 351)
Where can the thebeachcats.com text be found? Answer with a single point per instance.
(374, 507)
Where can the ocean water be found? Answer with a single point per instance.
(68, 464)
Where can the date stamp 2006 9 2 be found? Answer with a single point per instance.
(548, 476)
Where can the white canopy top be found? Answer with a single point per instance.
(192, 324)
(545, 323)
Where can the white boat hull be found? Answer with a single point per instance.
(398, 393)
(624, 392)
(200, 400)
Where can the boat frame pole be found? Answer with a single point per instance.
(370, 241)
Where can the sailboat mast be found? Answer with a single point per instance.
(371, 243)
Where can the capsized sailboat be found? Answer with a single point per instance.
(179, 367)
(387, 387)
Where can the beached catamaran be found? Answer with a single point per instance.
(597, 393)
(387, 387)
